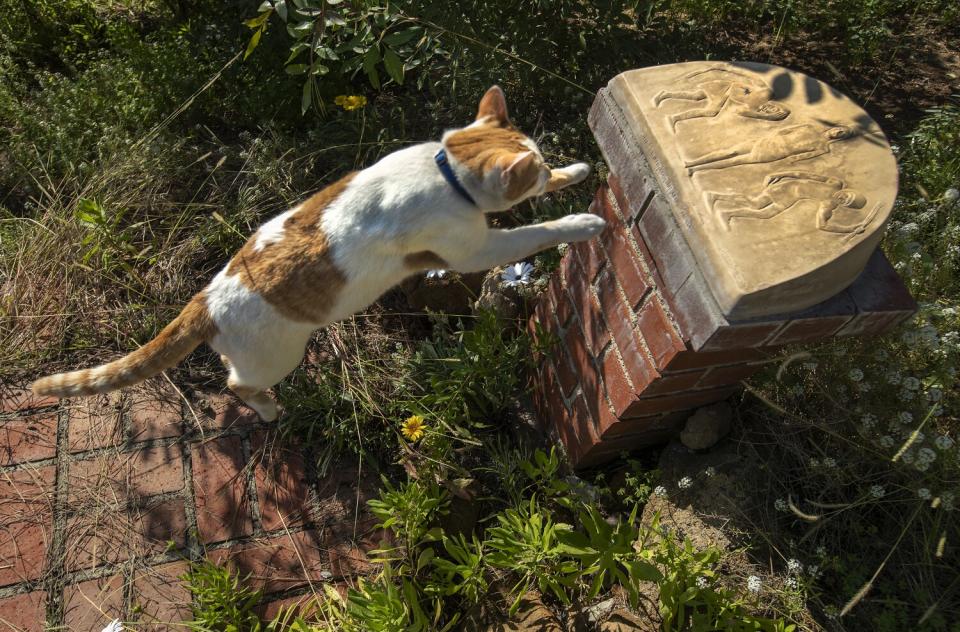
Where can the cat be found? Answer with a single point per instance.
(419, 208)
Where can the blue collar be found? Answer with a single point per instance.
(444, 165)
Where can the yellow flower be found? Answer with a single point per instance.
(351, 102)
(413, 427)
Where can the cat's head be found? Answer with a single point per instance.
(496, 162)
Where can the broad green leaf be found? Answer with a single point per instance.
(281, 8)
(402, 37)
(307, 98)
(254, 42)
(300, 29)
(394, 65)
(258, 21)
(296, 69)
(370, 60)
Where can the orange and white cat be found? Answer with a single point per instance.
(416, 209)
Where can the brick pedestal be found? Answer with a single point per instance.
(640, 341)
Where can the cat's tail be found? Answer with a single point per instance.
(171, 345)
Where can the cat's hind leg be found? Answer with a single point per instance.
(253, 371)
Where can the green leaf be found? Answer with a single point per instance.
(307, 98)
(300, 29)
(254, 42)
(295, 51)
(394, 65)
(370, 60)
(296, 69)
(266, 5)
(402, 37)
(281, 8)
(258, 21)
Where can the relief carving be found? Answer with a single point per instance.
(796, 143)
(743, 94)
(785, 190)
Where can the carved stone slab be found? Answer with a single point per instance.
(781, 185)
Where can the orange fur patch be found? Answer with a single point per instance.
(297, 274)
(424, 260)
(482, 148)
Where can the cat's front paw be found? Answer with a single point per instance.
(581, 227)
(577, 172)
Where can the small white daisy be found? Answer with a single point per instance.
(685, 483)
(114, 626)
(877, 491)
(781, 505)
(702, 582)
(792, 583)
(517, 274)
(794, 565)
(754, 584)
(660, 491)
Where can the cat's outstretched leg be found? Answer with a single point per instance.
(572, 174)
(506, 246)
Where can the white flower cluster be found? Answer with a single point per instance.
(702, 582)
(660, 491)
(685, 483)
(781, 505)
(754, 584)
(794, 565)
(877, 491)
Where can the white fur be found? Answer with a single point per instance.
(398, 206)
(272, 231)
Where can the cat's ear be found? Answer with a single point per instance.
(520, 175)
(494, 105)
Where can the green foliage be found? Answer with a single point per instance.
(408, 511)
(221, 601)
(528, 541)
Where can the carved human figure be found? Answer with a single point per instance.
(782, 191)
(742, 93)
(796, 143)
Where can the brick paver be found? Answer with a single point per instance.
(105, 501)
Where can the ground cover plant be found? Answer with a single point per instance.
(142, 140)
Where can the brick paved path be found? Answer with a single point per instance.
(105, 500)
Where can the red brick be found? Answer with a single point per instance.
(555, 406)
(26, 517)
(740, 336)
(631, 430)
(92, 604)
(20, 399)
(220, 486)
(658, 332)
(281, 479)
(564, 308)
(155, 413)
(673, 382)
(224, 411)
(95, 422)
(274, 564)
(616, 311)
(566, 376)
(591, 258)
(809, 329)
(25, 612)
(647, 257)
(618, 388)
(106, 535)
(682, 401)
(116, 477)
(595, 329)
(669, 248)
(721, 376)
(161, 599)
(347, 560)
(581, 296)
(581, 359)
(639, 198)
(584, 432)
(28, 438)
(701, 359)
(640, 367)
(629, 273)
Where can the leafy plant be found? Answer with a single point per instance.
(529, 542)
(221, 600)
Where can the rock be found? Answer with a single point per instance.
(531, 616)
(599, 611)
(452, 293)
(503, 300)
(626, 621)
(707, 426)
